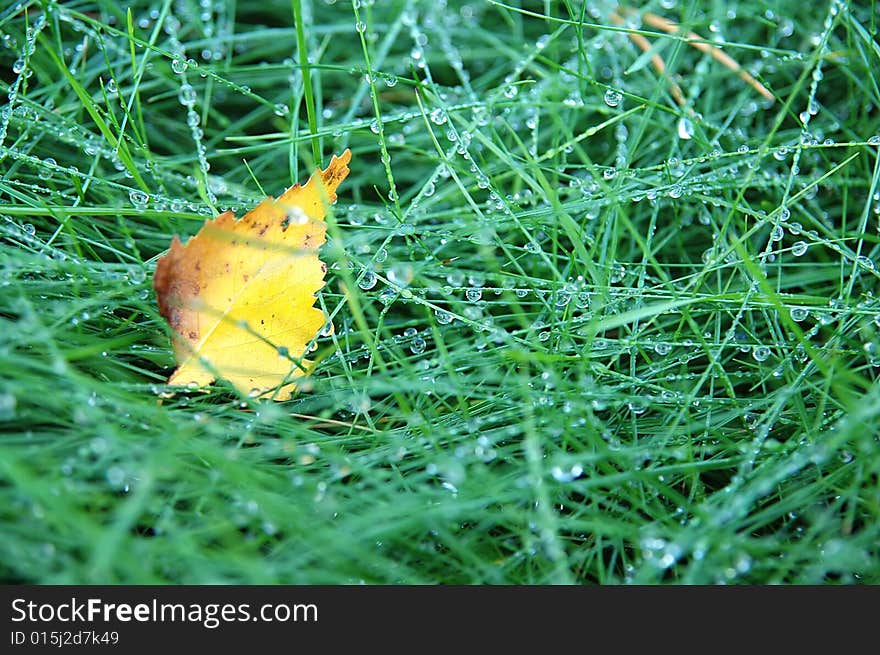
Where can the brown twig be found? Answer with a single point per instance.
(656, 60)
(695, 41)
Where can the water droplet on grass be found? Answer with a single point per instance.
(139, 199)
(46, 171)
(685, 128)
(401, 274)
(474, 294)
(799, 313)
(367, 281)
(136, 275)
(186, 95)
(612, 98)
(179, 66)
(761, 353)
(799, 248)
(561, 474)
(443, 317)
(387, 296)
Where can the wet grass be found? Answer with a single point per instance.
(583, 334)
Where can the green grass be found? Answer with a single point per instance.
(571, 344)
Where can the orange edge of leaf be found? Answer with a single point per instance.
(337, 170)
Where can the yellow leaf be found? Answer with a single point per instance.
(240, 294)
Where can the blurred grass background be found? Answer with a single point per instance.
(582, 334)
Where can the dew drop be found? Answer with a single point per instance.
(294, 216)
(136, 275)
(474, 294)
(401, 274)
(443, 317)
(186, 95)
(46, 171)
(662, 348)
(685, 128)
(417, 346)
(437, 116)
(799, 248)
(612, 98)
(761, 353)
(138, 198)
(179, 66)
(561, 474)
(367, 281)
